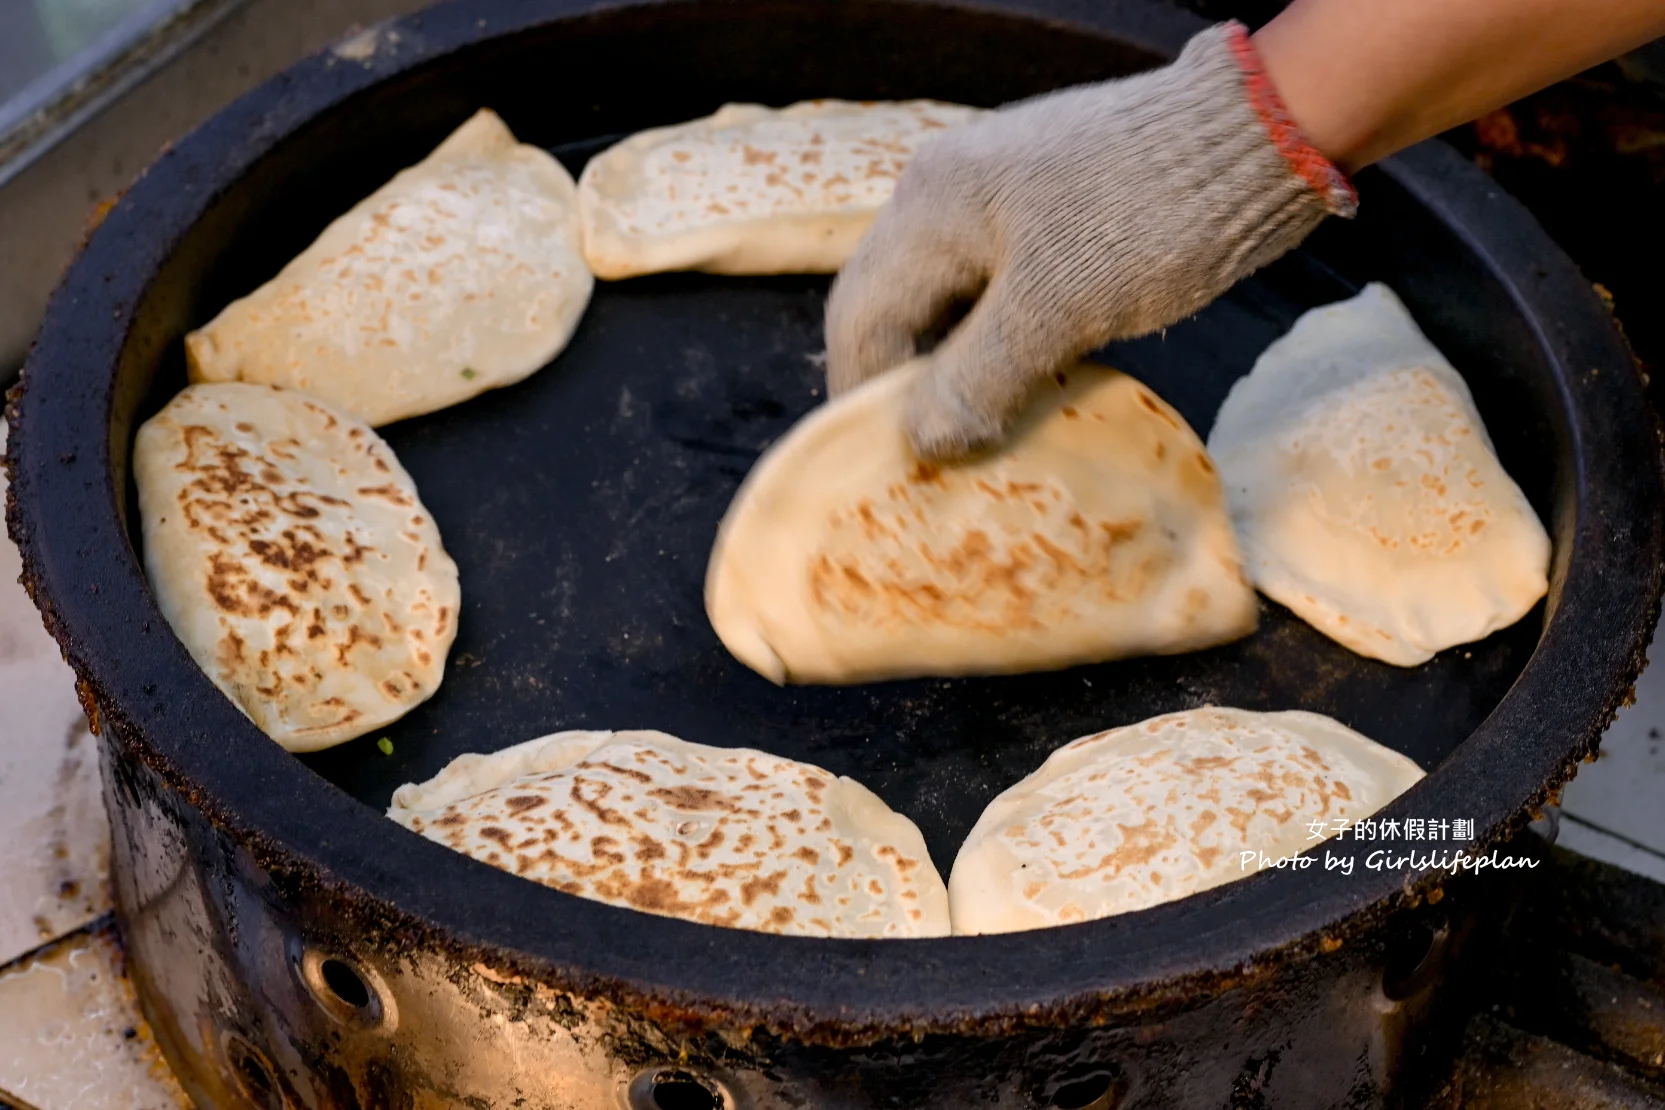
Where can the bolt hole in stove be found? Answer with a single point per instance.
(348, 992)
(1087, 1087)
(292, 948)
(344, 983)
(256, 1080)
(673, 1089)
(1413, 962)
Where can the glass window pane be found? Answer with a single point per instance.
(48, 46)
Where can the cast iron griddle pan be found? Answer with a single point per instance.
(581, 505)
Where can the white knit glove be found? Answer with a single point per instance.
(1096, 213)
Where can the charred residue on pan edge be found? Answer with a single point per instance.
(645, 1023)
(393, 930)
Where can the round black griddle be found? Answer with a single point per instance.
(580, 506)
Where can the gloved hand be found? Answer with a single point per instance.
(1096, 213)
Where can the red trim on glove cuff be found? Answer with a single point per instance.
(1316, 170)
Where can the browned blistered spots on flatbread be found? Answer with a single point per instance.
(723, 836)
(390, 493)
(903, 863)
(256, 509)
(809, 160)
(693, 798)
(881, 565)
(1434, 484)
(925, 473)
(999, 546)
(355, 637)
(752, 889)
(1152, 405)
(1148, 812)
(448, 264)
(580, 792)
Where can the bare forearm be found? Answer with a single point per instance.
(1364, 78)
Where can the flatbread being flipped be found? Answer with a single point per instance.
(289, 551)
(723, 836)
(751, 190)
(1099, 531)
(461, 274)
(1154, 811)
(1366, 492)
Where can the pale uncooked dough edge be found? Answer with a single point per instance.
(789, 243)
(474, 773)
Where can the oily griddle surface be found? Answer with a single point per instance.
(581, 505)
